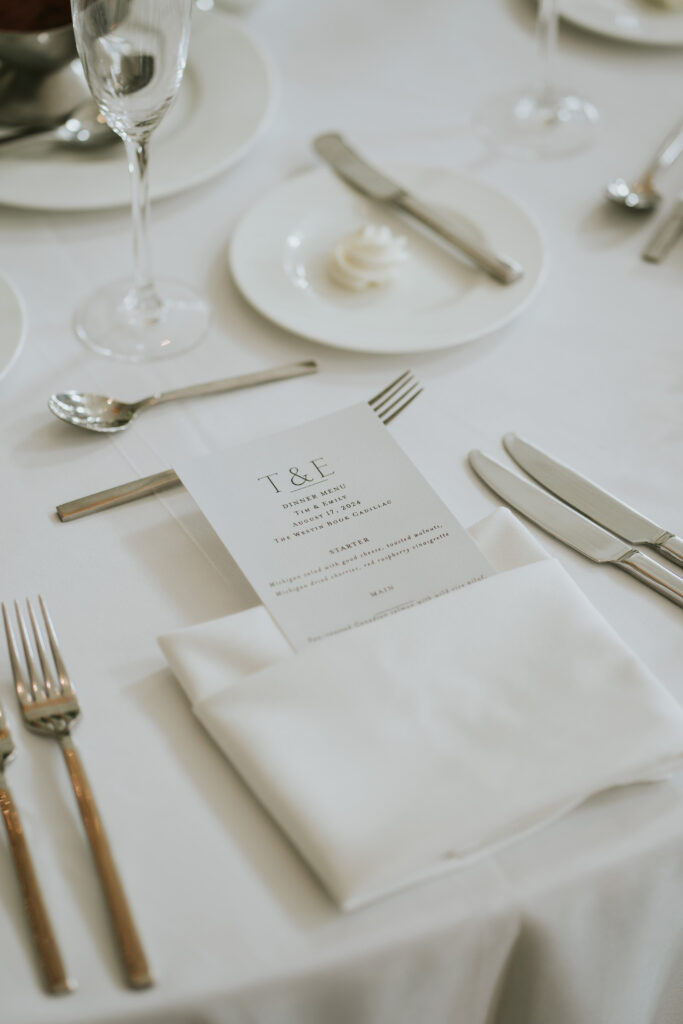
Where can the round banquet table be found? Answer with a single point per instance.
(579, 922)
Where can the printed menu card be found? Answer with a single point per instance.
(332, 524)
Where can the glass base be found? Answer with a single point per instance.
(111, 323)
(541, 124)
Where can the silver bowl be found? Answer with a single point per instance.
(40, 52)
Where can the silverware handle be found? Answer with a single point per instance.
(118, 495)
(650, 572)
(665, 236)
(672, 547)
(246, 380)
(41, 927)
(668, 152)
(134, 959)
(499, 267)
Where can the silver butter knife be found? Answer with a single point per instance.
(666, 235)
(592, 500)
(574, 529)
(358, 173)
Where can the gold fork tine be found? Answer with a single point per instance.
(18, 675)
(42, 654)
(35, 687)
(62, 674)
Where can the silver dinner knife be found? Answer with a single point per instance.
(574, 529)
(666, 235)
(593, 501)
(358, 173)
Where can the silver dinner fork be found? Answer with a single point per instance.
(387, 403)
(50, 707)
(49, 955)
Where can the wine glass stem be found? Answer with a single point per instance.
(143, 298)
(546, 29)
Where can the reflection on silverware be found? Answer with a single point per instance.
(574, 529)
(666, 235)
(596, 503)
(43, 935)
(82, 128)
(387, 403)
(109, 415)
(355, 171)
(641, 194)
(49, 706)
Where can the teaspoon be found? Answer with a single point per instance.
(109, 415)
(642, 195)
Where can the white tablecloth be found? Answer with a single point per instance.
(580, 922)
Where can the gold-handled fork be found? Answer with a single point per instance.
(49, 955)
(387, 403)
(49, 707)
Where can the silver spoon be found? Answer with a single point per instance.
(83, 127)
(641, 194)
(108, 415)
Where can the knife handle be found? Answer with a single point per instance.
(665, 236)
(671, 547)
(499, 267)
(118, 495)
(650, 572)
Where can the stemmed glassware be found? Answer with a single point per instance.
(542, 120)
(133, 53)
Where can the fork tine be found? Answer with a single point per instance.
(19, 681)
(405, 400)
(385, 392)
(389, 405)
(35, 688)
(42, 654)
(62, 674)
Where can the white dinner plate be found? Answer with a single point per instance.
(637, 21)
(279, 260)
(12, 326)
(223, 105)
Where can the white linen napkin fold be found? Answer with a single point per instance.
(409, 746)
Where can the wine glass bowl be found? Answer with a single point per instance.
(133, 54)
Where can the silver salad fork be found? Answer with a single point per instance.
(43, 935)
(387, 403)
(50, 707)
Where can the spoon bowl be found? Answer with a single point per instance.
(84, 127)
(638, 195)
(92, 412)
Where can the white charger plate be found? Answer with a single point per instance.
(224, 103)
(280, 249)
(636, 21)
(12, 326)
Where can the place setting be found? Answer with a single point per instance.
(446, 654)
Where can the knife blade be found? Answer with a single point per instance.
(593, 501)
(574, 529)
(666, 235)
(357, 172)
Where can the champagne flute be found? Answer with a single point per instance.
(542, 120)
(133, 53)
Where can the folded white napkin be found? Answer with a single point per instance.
(406, 747)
